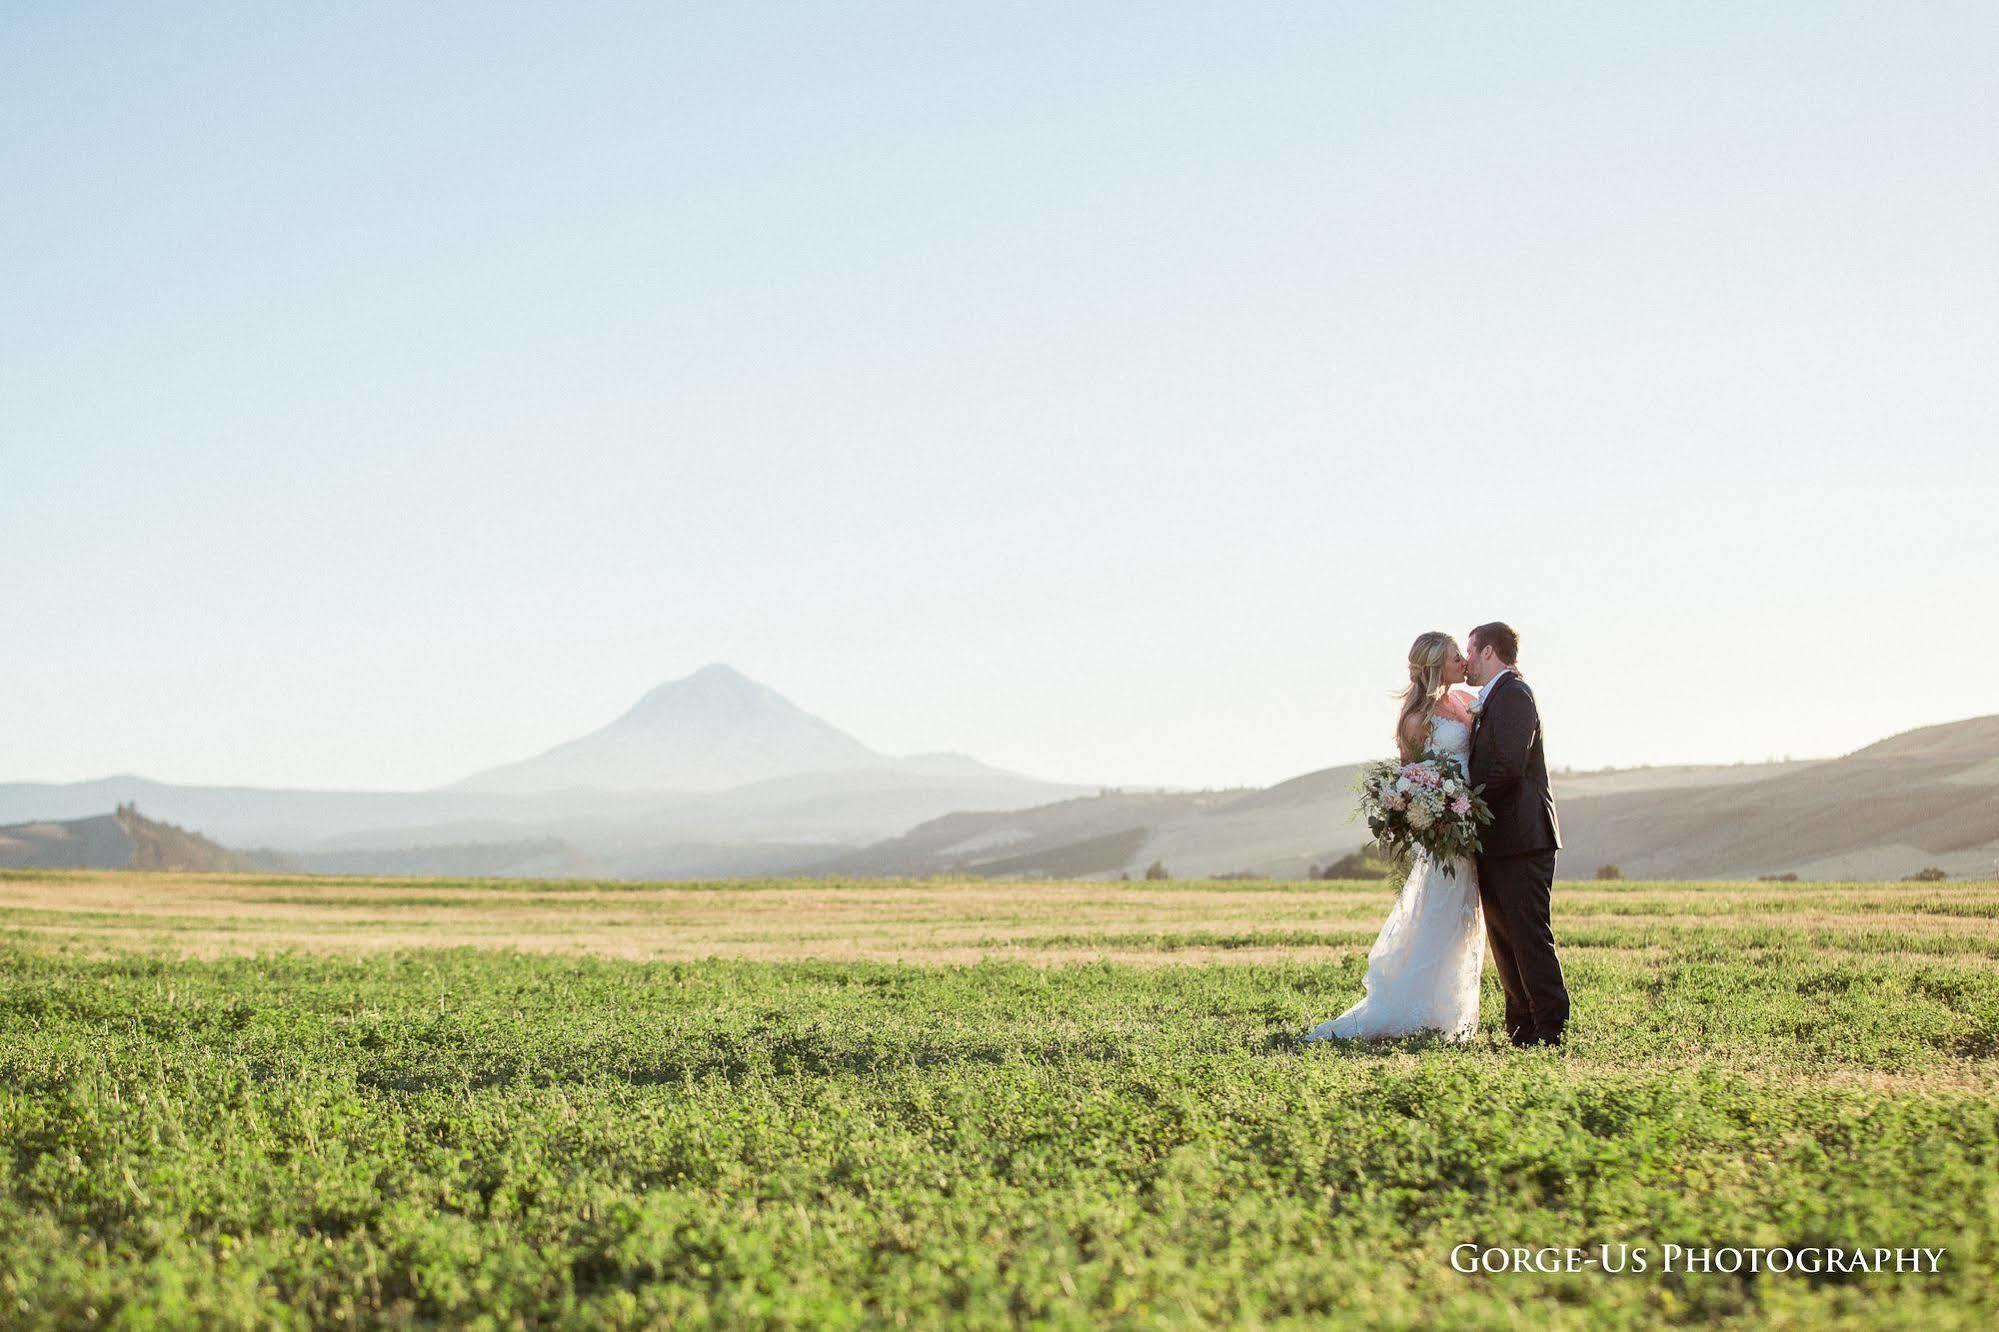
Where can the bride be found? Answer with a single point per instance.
(1423, 971)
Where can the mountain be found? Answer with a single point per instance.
(713, 730)
(711, 775)
(124, 839)
(1927, 797)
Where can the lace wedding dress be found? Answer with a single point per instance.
(1423, 971)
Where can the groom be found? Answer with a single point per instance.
(1516, 863)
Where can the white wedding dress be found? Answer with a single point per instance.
(1423, 971)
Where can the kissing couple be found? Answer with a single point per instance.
(1423, 971)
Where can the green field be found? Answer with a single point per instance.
(233, 1100)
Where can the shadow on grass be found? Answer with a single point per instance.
(736, 1064)
(794, 1058)
(1292, 1042)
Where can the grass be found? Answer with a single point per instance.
(231, 1102)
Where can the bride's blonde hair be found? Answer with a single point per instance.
(1427, 656)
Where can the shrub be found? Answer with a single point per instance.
(1927, 874)
(1609, 872)
(1776, 878)
(1157, 870)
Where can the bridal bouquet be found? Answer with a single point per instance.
(1426, 804)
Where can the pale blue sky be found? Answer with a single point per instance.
(1111, 392)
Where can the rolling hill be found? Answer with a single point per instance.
(1929, 797)
(124, 839)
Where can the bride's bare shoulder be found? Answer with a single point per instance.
(1455, 704)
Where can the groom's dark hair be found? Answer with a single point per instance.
(1500, 637)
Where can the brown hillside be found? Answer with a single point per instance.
(1929, 796)
(123, 839)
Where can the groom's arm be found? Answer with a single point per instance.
(1506, 733)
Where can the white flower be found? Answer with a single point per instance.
(1404, 785)
(1420, 815)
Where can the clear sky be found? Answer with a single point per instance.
(1108, 391)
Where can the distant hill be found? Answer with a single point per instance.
(1928, 797)
(272, 816)
(762, 828)
(1280, 831)
(534, 857)
(123, 839)
(1080, 838)
(711, 731)
(1925, 797)
(710, 774)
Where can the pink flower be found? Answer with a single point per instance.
(1461, 806)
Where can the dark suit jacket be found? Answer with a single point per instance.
(1507, 760)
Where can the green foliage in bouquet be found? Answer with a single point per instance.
(1427, 805)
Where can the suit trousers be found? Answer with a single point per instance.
(1519, 929)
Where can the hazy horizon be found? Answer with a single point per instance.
(387, 395)
(1128, 786)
